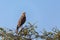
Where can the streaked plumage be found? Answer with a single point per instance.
(21, 21)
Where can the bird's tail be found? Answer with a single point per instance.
(17, 29)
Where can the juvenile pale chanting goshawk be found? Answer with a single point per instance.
(21, 21)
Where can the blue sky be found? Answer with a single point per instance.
(45, 13)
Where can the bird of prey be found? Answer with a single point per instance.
(21, 21)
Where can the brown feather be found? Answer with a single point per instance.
(21, 21)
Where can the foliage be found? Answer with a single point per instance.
(53, 35)
(28, 32)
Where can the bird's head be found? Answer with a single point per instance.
(23, 13)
